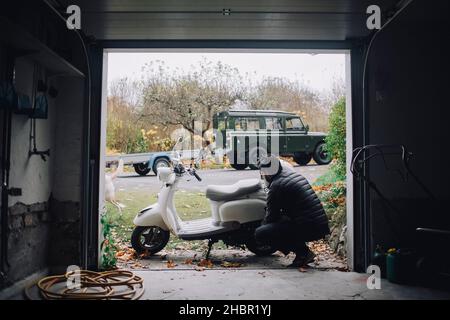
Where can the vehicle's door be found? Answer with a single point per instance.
(220, 130)
(244, 136)
(274, 130)
(294, 135)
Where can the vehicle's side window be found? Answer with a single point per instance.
(221, 125)
(252, 124)
(240, 124)
(294, 124)
(274, 124)
(243, 124)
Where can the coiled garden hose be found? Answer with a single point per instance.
(90, 285)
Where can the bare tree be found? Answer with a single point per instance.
(126, 91)
(334, 95)
(283, 94)
(176, 98)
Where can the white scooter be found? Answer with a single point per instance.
(237, 210)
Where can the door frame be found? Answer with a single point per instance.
(358, 238)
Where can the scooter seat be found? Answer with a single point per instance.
(233, 191)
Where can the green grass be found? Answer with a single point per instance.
(190, 206)
(329, 177)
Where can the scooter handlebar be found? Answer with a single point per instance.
(194, 173)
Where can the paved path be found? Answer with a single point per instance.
(132, 181)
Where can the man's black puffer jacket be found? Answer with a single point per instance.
(290, 195)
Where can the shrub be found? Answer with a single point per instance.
(336, 138)
(333, 198)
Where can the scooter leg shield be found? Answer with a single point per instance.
(150, 217)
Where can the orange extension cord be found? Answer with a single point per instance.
(115, 284)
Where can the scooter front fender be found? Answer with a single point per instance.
(150, 216)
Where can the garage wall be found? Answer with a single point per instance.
(408, 104)
(48, 211)
(33, 175)
(29, 218)
(65, 206)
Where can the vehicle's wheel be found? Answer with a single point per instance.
(259, 249)
(238, 166)
(160, 163)
(141, 169)
(149, 240)
(320, 155)
(302, 158)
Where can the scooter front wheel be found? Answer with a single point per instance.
(149, 240)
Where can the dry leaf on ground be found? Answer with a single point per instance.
(171, 264)
(205, 263)
(126, 254)
(227, 264)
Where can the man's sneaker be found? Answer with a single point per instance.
(302, 260)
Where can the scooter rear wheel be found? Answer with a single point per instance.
(259, 249)
(149, 240)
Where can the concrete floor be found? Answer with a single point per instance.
(277, 284)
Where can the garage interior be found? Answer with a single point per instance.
(399, 77)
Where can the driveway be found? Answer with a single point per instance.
(150, 183)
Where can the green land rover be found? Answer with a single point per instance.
(245, 135)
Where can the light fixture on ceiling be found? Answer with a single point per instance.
(226, 12)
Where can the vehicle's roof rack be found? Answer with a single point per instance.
(244, 111)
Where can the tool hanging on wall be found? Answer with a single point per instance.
(361, 157)
(39, 110)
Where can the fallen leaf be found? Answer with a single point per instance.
(171, 264)
(227, 264)
(197, 268)
(125, 256)
(342, 268)
(188, 261)
(143, 255)
(120, 253)
(302, 270)
(136, 265)
(205, 263)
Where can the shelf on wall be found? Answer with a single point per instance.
(26, 45)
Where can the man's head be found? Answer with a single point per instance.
(269, 167)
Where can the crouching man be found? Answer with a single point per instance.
(294, 213)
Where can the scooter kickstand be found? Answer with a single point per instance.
(210, 244)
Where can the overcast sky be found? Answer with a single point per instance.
(317, 71)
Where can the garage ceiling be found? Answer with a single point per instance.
(333, 20)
